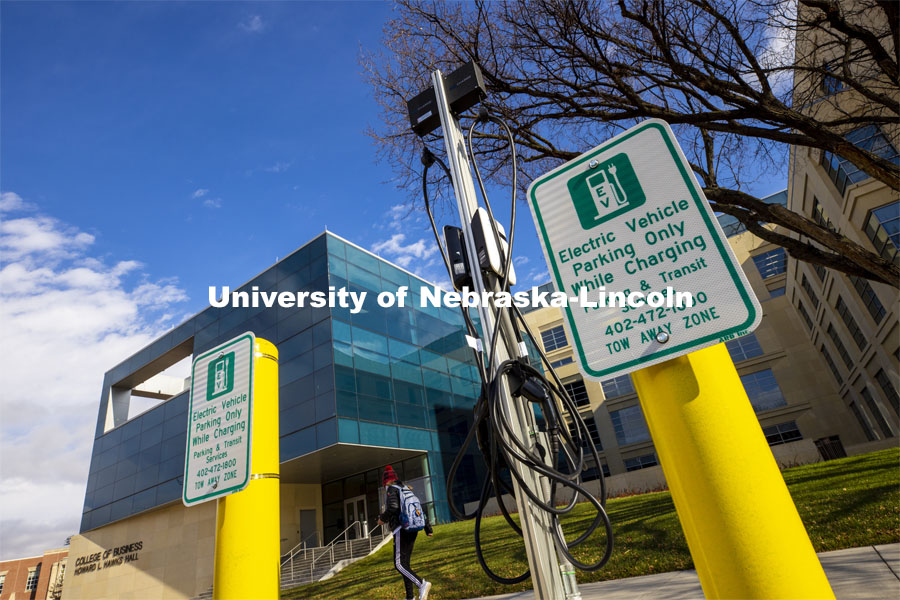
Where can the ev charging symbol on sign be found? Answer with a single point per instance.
(606, 191)
(220, 376)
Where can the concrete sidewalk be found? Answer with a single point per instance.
(869, 572)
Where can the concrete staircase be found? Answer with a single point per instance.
(306, 565)
(316, 564)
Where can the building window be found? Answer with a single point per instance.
(731, 226)
(772, 263)
(832, 366)
(819, 270)
(640, 462)
(842, 172)
(2, 581)
(865, 291)
(577, 392)
(819, 216)
(744, 347)
(591, 474)
(821, 219)
(863, 421)
(842, 350)
(810, 293)
(775, 292)
(763, 390)
(629, 425)
(805, 315)
(831, 447)
(875, 409)
(31, 581)
(850, 322)
(830, 83)
(782, 433)
(554, 338)
(591, 425)
(890, 392)
(617, 386)
(883, 228)
(563, 361)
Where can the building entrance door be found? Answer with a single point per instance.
(355, 512)
(309, 532)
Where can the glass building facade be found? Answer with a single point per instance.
(387, 377)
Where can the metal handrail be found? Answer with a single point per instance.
(289, 555)
(369, 535)
(329, 549)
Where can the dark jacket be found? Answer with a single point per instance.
(391, 514)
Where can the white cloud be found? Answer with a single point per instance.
(10, 201)
(778, 53)
(253, 24)
(213, 203)
(67, 317)
(421, 256)
(520, 260)
(534, 277)
(199, 193)
(404, 254)
(21, 238)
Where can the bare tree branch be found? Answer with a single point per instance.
(739, 81)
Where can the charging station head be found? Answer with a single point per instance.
(458, 257)
(464, 88)
(491, 257)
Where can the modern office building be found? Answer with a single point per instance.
(852, 322)
(34, 577)
(801, 406)
(357, 391)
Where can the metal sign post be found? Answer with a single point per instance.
(536, 525)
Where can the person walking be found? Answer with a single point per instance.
(404, 515)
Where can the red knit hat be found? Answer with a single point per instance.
(388, 475)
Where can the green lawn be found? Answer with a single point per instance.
(843, 503)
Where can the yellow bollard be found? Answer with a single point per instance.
(248, 536)
(741, 525)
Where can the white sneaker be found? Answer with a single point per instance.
(423, 591)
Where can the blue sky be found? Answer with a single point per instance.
(173, 132)
(150, 150)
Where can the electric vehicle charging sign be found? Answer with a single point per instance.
(629, 216)
(217, 459)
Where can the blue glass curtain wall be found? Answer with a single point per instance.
(395, 377)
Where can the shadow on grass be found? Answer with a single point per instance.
(843, 503)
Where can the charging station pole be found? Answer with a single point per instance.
(543, 561)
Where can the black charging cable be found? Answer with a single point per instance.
(492, 432)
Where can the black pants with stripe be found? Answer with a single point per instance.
(403, 547)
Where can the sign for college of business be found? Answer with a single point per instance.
(630, 216)
(217, 460)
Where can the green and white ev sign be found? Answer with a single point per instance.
(606, 191)
(220, 376)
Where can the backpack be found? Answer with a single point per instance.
(411, 516)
